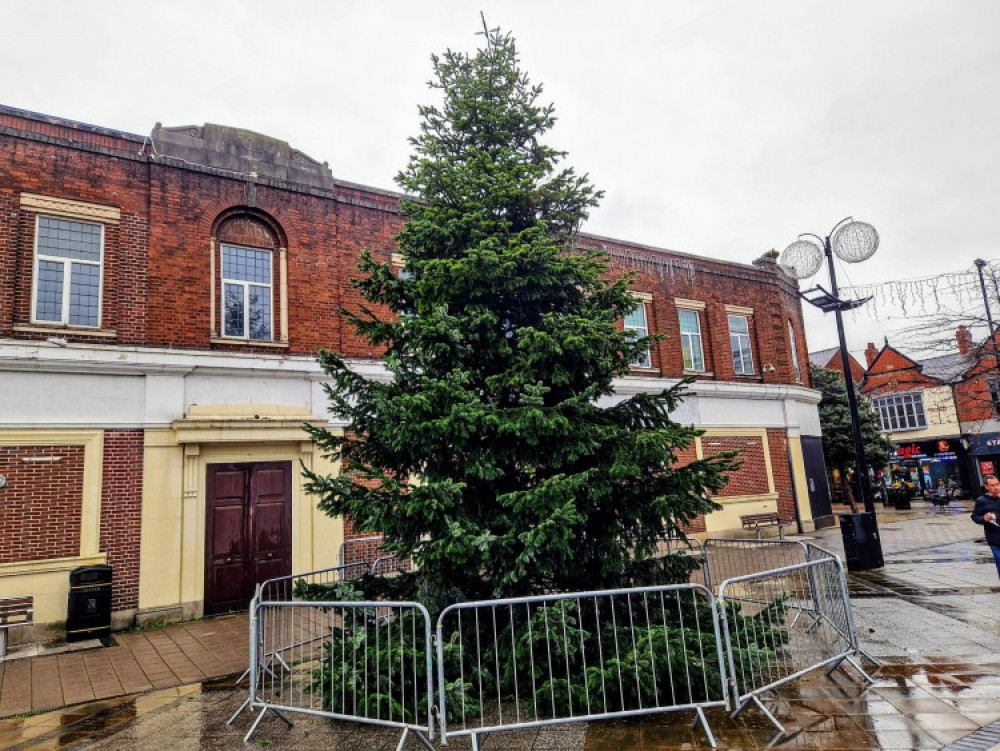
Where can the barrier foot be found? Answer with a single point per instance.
(834, 666)
(240, 711)
(753, 698)
(253, 727)
(419, 736)
(260, 717)
(244, 675)
(872, 660)
(857, 666)
(704, 723)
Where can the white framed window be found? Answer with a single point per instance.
(901, 411)
(739, 341)
(692, 347)
(247, 293)
(69, 257)
(794, 352)
(636, 327)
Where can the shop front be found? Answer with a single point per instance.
(925, 465)
(985, 450)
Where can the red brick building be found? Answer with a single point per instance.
(916, 400)
(162, 298)
(831, 359)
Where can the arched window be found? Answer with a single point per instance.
(249, 289)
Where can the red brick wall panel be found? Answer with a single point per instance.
(777, 440)
(121, 513)
(40, 513)
(751, 477)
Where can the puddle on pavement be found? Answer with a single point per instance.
(905, 708)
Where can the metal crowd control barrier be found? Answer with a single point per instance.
(357, 548)
(367, 662)
(295, 586)
(369, 550)
(669, 545)
(781, 624)
(552, 659)
(728, 558)
(815, 552)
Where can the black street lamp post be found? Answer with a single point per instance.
(852, 242)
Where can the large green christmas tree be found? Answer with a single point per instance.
(487, 457)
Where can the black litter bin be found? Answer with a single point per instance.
(900, 498)
(89, 613)
(862, 548)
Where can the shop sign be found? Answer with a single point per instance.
(986, 468)
(941, 448)
(985, 443)
(909, 452)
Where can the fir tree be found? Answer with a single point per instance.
(835, 421)
(490, 456)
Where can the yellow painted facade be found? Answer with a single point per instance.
(172, 560)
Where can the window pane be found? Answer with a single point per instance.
(636, 321)
(635, 327)
(794, 352)
(84, 294)
(694, 358)
(234, 309)
(260, 313)
(67, 239)
(689, 322)
(49, 286)
(245, 265)
(739, 325)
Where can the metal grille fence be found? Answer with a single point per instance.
(366, 662)
(781, 611)
(784, 623)
(531, 661)
(725, 559)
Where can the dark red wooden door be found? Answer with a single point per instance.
(248, 536)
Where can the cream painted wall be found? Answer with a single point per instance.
(941, 416)
(172, 572)
(801, 483)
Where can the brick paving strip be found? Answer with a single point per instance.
(141, 661)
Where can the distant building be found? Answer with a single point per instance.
(831, 359)
(916, 403)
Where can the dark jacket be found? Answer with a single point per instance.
(984, 505)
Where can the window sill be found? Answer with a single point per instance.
(707, 373)
(231, 342)
(65, 330)
(639, 369)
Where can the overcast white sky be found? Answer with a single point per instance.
(717, 128)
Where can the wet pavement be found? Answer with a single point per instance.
(931, 617)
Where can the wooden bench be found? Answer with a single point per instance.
(767, 519)
(14, 611)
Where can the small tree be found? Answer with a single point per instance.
(489, 456)
(835, 421)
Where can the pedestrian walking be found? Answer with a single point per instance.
(985, 513)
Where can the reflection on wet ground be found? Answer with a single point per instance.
(908, 707)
